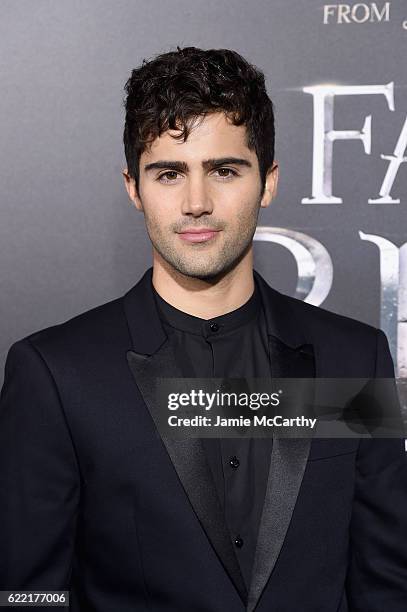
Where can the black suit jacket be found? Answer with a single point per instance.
(92, 499)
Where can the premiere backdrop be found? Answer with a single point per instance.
(335, 236)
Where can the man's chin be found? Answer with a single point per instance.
(210, 267)
(204, 271)
(208, 274)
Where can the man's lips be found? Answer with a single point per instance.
(198, 234)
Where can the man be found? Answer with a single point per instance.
(93, 499)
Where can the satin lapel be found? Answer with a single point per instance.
(288, 462)
(189, 460)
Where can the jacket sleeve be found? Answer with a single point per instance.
(377, 573)
(39, 477)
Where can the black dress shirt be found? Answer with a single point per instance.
(233, 345)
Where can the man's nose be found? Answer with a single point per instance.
(197, 199)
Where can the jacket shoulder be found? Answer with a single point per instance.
(341, 343)
(319, 319)
(297, 321)
(102, 325)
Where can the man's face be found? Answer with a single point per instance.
(201, 197)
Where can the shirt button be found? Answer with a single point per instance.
(234, 462)
(238, 542)
(214, 327)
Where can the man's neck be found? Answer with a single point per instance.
(202, 298)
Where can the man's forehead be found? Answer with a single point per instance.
(213, 135)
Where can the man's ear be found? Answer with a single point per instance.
(131, 189)
(270, 188)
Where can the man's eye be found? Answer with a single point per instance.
(168, 177)
(226, 172)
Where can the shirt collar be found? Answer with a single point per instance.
(209, 327)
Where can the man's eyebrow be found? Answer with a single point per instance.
(163, 164)
(223, 161)
(207, 163)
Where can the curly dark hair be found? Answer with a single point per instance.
(175, 88)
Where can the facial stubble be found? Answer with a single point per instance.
(205, 261)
